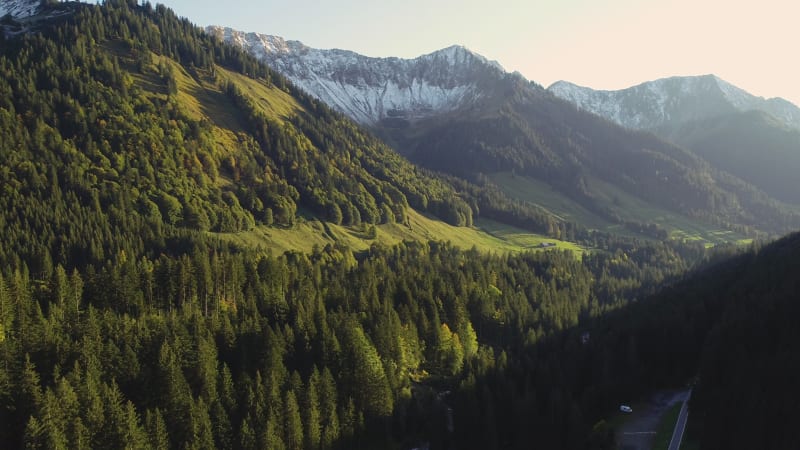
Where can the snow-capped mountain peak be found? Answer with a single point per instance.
(458, 53)
(369, 89)
(258, 44)
(674, 100)
(19, 9)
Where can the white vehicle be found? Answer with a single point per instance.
(625, 408)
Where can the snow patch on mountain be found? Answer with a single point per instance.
(19, 9)
(672, 101)
(598, 102)
(738, 97)
(369, 89)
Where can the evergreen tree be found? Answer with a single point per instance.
(293, 425)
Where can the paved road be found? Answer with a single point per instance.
(639, 431)
(680, 426)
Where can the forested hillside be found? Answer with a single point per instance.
(730, 331)
(522, 129)
(218, 348)
(123, 125)
(131, 141)
(751, 145)
(745, 397)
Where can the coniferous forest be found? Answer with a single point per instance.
(126, 322)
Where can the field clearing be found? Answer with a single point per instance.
(542, 194)
(270, 99)
(523, 239)
(487, 236)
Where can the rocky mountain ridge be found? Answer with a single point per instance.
(672, 101)
(371, 90)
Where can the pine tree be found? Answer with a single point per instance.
(293, 425)
(247, 437)
(203, 434)
(36, 435)
(273, 432)
(156, 430)
(311, 411)
(222, 428)
(30, 397)
(328, 409)
(178, 397)
(367, 377)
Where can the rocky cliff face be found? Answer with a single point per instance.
(19, 9)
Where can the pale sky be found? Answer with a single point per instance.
(602, 44)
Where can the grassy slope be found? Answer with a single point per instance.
(679, 226)
(624, 204)
(203, 99)
(540, 193)
(487, 236)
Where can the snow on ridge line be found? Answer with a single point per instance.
(371, 89)
(279, 45)
(655, 103)
(273, 46)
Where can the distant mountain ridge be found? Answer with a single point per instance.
(752, 145)
(755, 139)
(672, 101)
(368, 89)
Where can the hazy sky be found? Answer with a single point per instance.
(603, 44)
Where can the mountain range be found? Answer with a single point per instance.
(457, 112)
(751, 137)
(673, 101)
